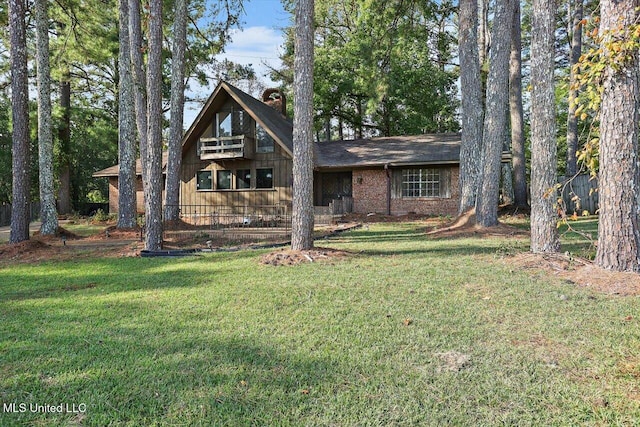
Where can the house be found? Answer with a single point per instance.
(237, 158)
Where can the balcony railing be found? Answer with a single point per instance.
(226, 147)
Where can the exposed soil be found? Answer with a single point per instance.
(289, 257)
(465, 226)
(580, 272)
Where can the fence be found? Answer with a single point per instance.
(580, 194)
(220, 217)
(5, 213)
(336, 208)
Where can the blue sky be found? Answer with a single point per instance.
(257, 43)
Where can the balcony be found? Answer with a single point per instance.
(226, 147)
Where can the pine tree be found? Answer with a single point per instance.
(172, 193)
(495, 119)
(48, 212)
(20, 210)
(153, 189)
(127, 203)
(618, 229)
(302, 218)
(544, 233)
(472, 117)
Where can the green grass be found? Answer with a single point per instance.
(223, 340)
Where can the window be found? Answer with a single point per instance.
(264, 142)
(223, 127)
(204, 181)
(264, 178)
(223, 180)
(243, 179)
(421, 183)
(229, 123)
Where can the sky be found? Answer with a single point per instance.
(257, 43)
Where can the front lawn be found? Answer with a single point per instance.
(408, 330)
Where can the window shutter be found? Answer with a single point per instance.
(396, 184)
(445, 183)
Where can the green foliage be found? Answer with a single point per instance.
(612, 50)
(5, 151)
(377, 62)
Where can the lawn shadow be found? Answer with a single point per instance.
(126, 376)
(109, 275)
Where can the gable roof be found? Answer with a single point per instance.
(391, 151)
(276, 125)
(115, 170)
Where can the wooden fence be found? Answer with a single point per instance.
(580, 194)
(5, 213)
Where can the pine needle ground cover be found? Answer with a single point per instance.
(407, 330)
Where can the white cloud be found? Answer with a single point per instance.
(252, 45)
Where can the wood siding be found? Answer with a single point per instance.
(278, 161)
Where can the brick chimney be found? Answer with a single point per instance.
(276, 100)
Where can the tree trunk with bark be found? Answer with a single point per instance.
(64, 135)
(139, 81)
(618, 231)
(127, 204)
(572, 120)
(544, 232)
(20, 206)
(495, 119)
(153, 191)
(172, 193)
(302, 218)
(48, 211)
(471, 117)
(517, 114)
(483, 30)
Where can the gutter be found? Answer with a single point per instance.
(388, 171)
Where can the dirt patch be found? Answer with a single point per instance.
(465, 226)
(581, 272)
(453, 361)
(60, 234)
(290, 257)
(375, 218)
(16, 250)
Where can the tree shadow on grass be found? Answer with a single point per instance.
(108, 275)
(181, 379)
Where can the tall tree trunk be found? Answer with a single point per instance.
(64, 135)
(139, 81)
(48, 212)
(127, 204)
(495, 119)
(507, 184)
(572, 120)
(483, 30)
(544, 233)
(618, 232)
(20, 112)
(153, 191)
(302, 218)
(472, 117)
(517, 115)
(172, 193)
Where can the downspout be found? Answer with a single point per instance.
(386, 168)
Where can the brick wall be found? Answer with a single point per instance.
(370, 195)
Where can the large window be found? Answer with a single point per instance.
(243, 179)
(223, 127)
(264, 142)
(264, 178)
(229, 123)
(223, 180)
(421, 183)
(204, 181)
